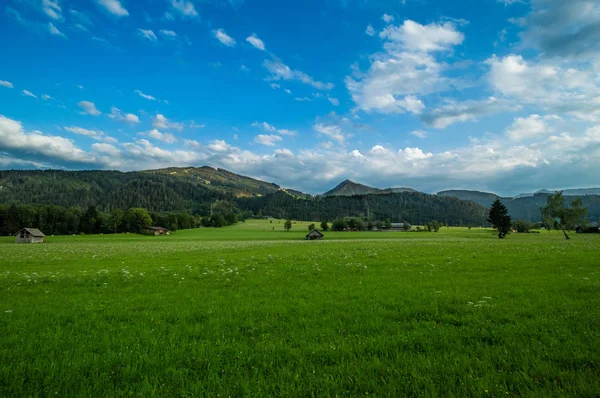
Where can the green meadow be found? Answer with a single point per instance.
(252, 310)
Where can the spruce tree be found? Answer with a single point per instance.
(499, 218)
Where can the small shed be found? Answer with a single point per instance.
(156, 231)
(29, 235)
(314, 235)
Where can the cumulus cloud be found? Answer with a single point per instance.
(167, 138)
(553, 87)
(272, 129)
(38, 146)
(6, 84)
(332, 131)
(370, 31)
(116, 114)
(569, 29)
(224, 38)
(419, 133)
(114, 7)
(530, 127)
(280, 71)
(184, 8)
(268, 140)
(89, 108)
(106, 149)
(256, 42)
(406, 68)
(161, 122)
(388, 18)
(95, 134)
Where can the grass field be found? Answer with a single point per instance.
(248, 311)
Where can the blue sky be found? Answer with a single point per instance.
(498, 95)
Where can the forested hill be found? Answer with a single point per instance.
(528, 207)
(180, 190)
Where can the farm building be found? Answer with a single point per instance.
(314, 235)
(29, 235)
(156, 231)
(399, 226)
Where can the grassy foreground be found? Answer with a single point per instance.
(241, 311)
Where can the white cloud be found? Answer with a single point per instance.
(265, 126)
(457, 112)
(530, 127)
(388, 18)
(332, 131)
(193, 125)
(95, 134)
(114, 7)
(167, 138)
(146, 96)
(406, 69)
(280, 71)
(286, 132)
(130, 118)
(185, 8)
(224, 38)
(256, 42)
(52, 9)
(161, 122)
(244, 68)
(288, 91)
(148, 34)
(39, 146)
(554, 87)
(46, 97)
(89, 108)
(275, 86)
(168, 33)
(370, 31)
(412, 36)
(334, 101)
(419, 133)
(54, 31)
(268, 140)
(28, 93)
(284, 153)
(106, 149)
(6, 84)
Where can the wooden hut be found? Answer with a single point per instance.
(29, 235)
(156, 231)
(314, 235)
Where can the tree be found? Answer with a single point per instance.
(287, 225)
(217, 220)
(435, 225)
(523, 226)
(137, 219)
(569, 217)
(407, 226)
(388, 223)
(339, 224)
(115, 218)
(311, 227)
(499, 218)
(324, 225)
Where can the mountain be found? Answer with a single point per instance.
(483, 198)
(350, 188)
(219, 179)
(528, 207)
(566, 192)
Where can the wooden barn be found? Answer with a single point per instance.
(314, 235)
(29, 235)
(156, 231)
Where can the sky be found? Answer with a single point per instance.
(494, 95)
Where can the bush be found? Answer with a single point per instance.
(311, 227)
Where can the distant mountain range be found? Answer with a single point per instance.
(350, 188)
(195, 188)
